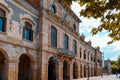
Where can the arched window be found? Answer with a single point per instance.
(53, 9)
(75, 71)
(53, 37)
(65, 41)
(2, 20)
(28, 32)
(25, 68)
(53, 68)
(75, 46)
(66, 70)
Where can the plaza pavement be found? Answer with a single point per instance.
(105, 77)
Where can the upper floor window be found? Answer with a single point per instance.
(53, 37)
(28, 32)
(94, 59)
(75, 46)
(74, 26)
(80, 53)
(88, 56)
(84, 55)
(65, 41)
(53, 9)
(91, 58)
(2, 20)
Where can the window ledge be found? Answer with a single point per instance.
(27, 40)
(4, 33)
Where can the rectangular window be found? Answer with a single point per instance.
(65, 41)
(2, 28)
(75, 47)
(53, 37)
(80, 53)
(2, 20)
(28, 32)
(1, 24)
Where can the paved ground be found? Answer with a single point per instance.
(106, 77)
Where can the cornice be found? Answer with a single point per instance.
(12, 43)
(23, 7)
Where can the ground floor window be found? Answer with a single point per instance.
(53, 69)
(25, 70)
(2, 66)
(66, 70)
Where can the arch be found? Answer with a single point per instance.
(3, 65)
(53, 65)
(66, 70)
(4, 6)
(27, 18)
(27, 54)
(66, 59)
(25, 71)
(4, 53)
(75, 70)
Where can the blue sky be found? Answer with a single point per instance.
(111, 51)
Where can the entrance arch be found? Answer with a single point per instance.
(66, 70)
(84, 70)
(80, 71)
(91, 71)
(75, 70)
(25, 68)
(2, 66)
(53, 68)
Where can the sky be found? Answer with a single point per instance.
(111, 51)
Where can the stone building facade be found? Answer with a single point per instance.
(107, 67)
(39, 40)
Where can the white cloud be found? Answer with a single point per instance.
(97, 40)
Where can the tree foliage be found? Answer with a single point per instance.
(108, 11)
(116, 66)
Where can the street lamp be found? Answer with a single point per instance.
(88, 70)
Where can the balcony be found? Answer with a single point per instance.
(66, 52)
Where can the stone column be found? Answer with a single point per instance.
(13, 70)
(78, 71)
(33, 75)
(60, 76)
(6, 69)
(82, 71)
(90, 71)
(71, 71)
(44, 70)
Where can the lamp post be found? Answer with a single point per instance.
(88, 70)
